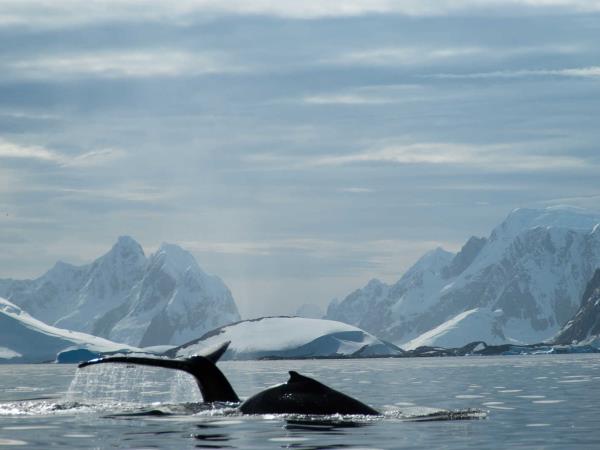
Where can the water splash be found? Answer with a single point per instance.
(184, 389)
(134, 385)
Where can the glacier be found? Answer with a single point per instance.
(288, 337)
(27, 340)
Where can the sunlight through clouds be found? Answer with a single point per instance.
(34, 152)
(122, 64)
(579, 72)
(499, 157)
(12, 150)
(490, 158)
(409, 55)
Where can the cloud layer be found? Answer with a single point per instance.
(74, 13)
(297, 148)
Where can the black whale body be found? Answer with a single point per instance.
(299, 395)
(303, 395)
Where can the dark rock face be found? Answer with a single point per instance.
(465, 257)
(586, 322)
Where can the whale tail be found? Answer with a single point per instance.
(212, 383)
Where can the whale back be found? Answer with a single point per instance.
(304, 395)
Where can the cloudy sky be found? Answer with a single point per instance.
(298, 149)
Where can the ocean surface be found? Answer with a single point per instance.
(516, 402)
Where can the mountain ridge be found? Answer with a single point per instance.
(524, 280)
(123, 295)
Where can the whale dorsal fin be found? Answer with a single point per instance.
(295, 377)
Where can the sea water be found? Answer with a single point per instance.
(527, 402)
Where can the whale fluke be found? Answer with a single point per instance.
(213, 385)
(216, 354)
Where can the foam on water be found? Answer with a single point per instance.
(44, 408)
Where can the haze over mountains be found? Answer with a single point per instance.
(127, 297)
(519, 285)
(535, 278)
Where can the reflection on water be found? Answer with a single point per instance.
(549, 402)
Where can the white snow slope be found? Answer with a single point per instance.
(25, 339)
(470, 326)
(124, 296)
(291, 337)
(520, 285)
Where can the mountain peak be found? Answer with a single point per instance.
(125, 296)
(519, 271)
(128, 243)
(61, 266)
(61, 271)
(436, 258)
(175, 259)
(125, 248)
(374, 282)
(126, 252)
(126, 240)
(560, 216)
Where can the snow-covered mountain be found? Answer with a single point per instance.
(288, 337)
(126, 297)
(25, 339)
(584, 327)
(519, 285)
(310, 311)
